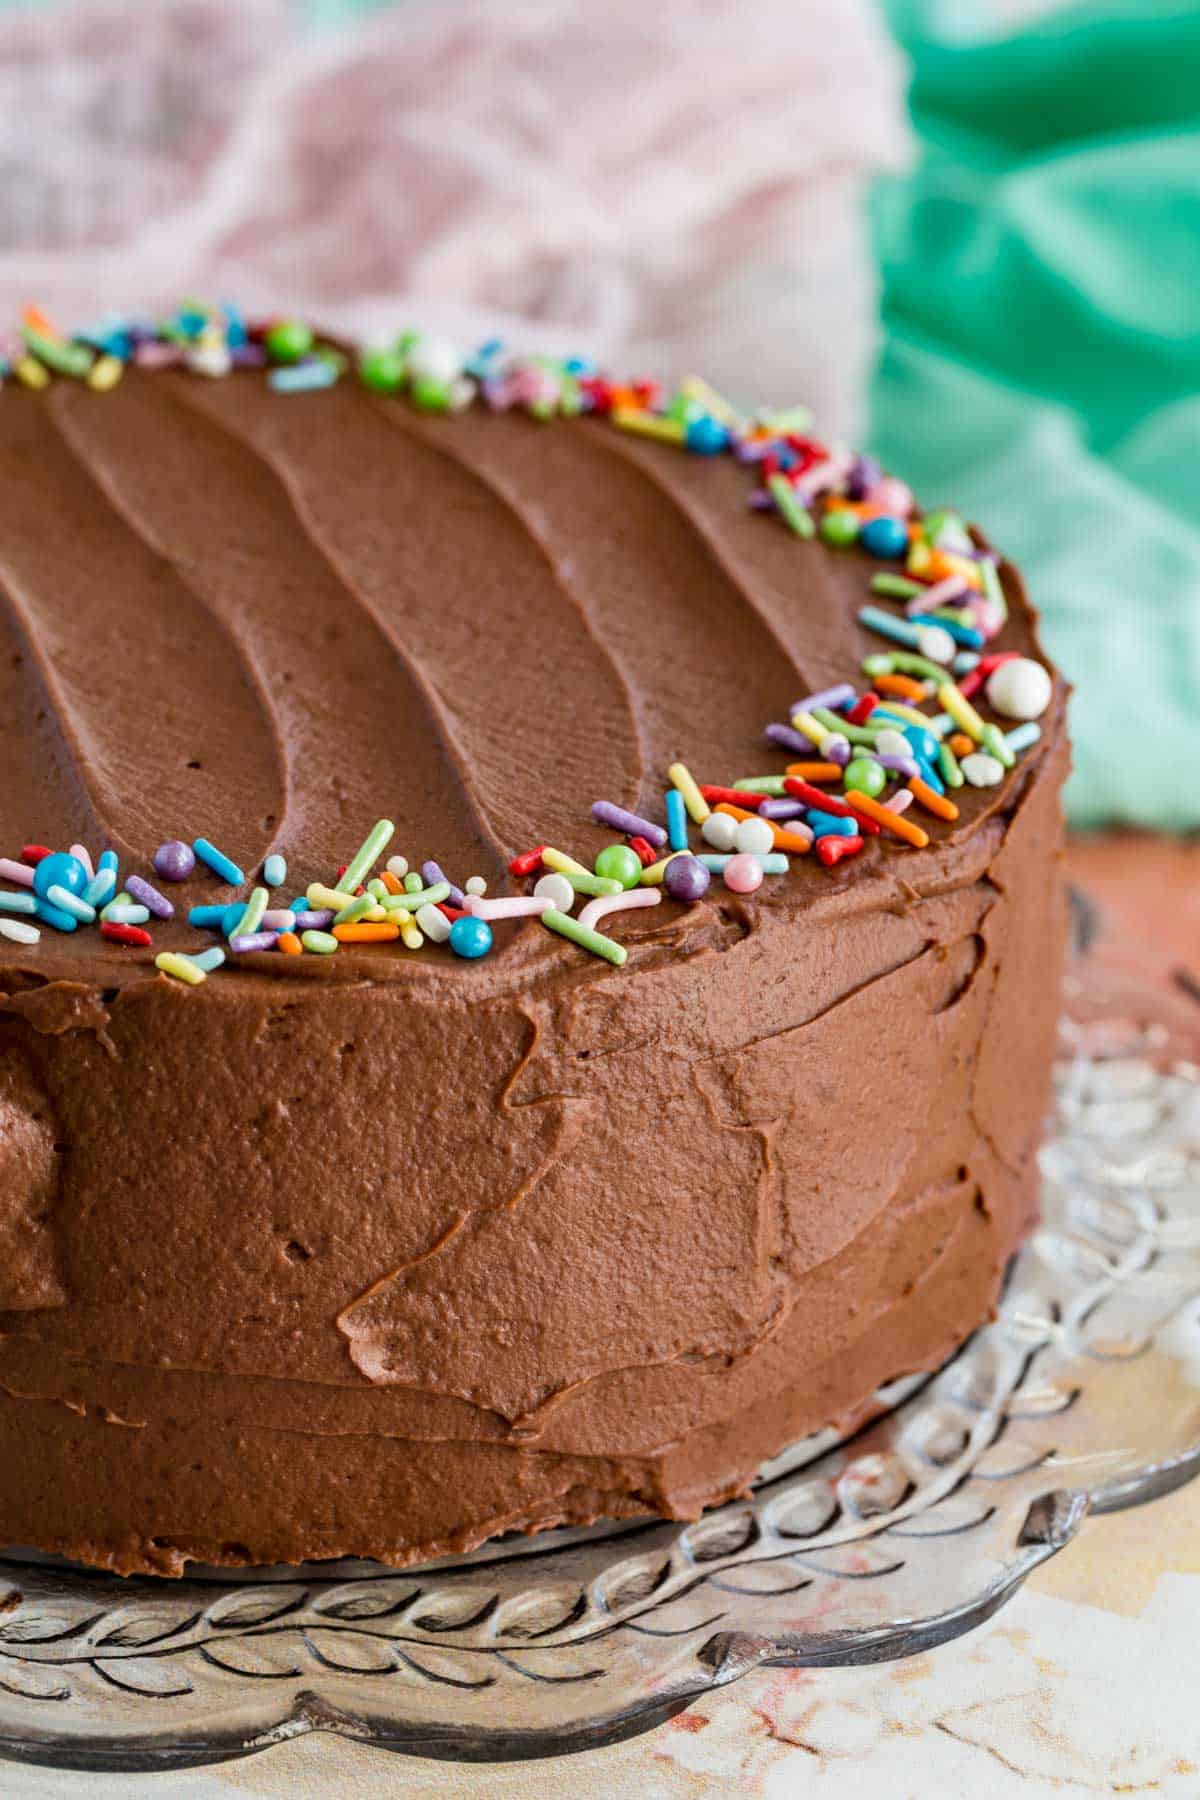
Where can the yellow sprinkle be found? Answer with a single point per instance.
(411, 935)
(812, 728)
(906, 712)
(694, 387)
(105, 373)
(322, 898)
(647, 424)
(951, 700)
(652, 877)
(681, 777)
(182, 967)
(562, 863)
(376, 916)
(29, 370)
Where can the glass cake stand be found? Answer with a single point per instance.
(1083, 1395)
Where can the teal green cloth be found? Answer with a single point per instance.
(1041, 370)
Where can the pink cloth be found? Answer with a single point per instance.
(670, 186)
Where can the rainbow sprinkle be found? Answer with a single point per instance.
(946, 589)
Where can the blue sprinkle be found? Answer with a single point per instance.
(1023, 736)
(677, 836)
(274, 871)
(831, 825)
(232, 916)
(218, 862)
(53, 915)
(101, 887)
(884, 537)
(966, 635)
(208, 960)
(964, 662)
(773, 862)
(108, 860)
(207, 918)
(18, 903)
(706, 436)
(303, 377)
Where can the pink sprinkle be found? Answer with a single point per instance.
(940, 594)
(81, 854)
(598, 909)
(743, 873)
(900, 801)
(519, 908)
(19, 872)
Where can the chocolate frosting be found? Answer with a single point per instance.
(384, 1252)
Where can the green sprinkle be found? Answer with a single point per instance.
(992, 587)
(854, 734)
(908, 662)
(796, 517)
(763, 784)
(357, 909)
(382, 370)
(413, 883)
(319, 942)
(288, 340)
(992, 741)
(64, 359)
(595, 941)
(411, 898)
(894, 587)
(251, 919)
(585, 883)
(368, 854)
(840, 527)
(948, 767)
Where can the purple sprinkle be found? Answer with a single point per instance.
(787, 739)
(779, 810)
(865, 473)
(432, 872)
(313, 921)
(605, 813)
(149, 897)
(253, 940)
(761, 500)
(248, 356)
(899, 765)
(830, 698)
(174, 860)
(835, 749)
(686, 878)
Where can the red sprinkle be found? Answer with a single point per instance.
(126, 934)
(832, 849)
(646, 853)
(526, 863)
(974, 679)
(33, 853)
(814, 796)
(733, 797)
(862, 709)
(451, 912)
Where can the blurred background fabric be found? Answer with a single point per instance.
(669, 187)
(1041, 308)
(999, 290)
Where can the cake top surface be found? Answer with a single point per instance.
(266, 611)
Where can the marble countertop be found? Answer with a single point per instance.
(1083, 1684)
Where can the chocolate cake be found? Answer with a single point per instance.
(385, 1251)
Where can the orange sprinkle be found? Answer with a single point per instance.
(35, 318)
(931, 800)
(896, 823)
(290, 943)
(788, 841)
(815, 771)
(366, 934)
(961, 744)
(390, 883)
(903, 687)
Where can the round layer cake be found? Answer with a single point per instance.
(384, 1251)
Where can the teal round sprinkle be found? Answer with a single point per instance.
(840, 527)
